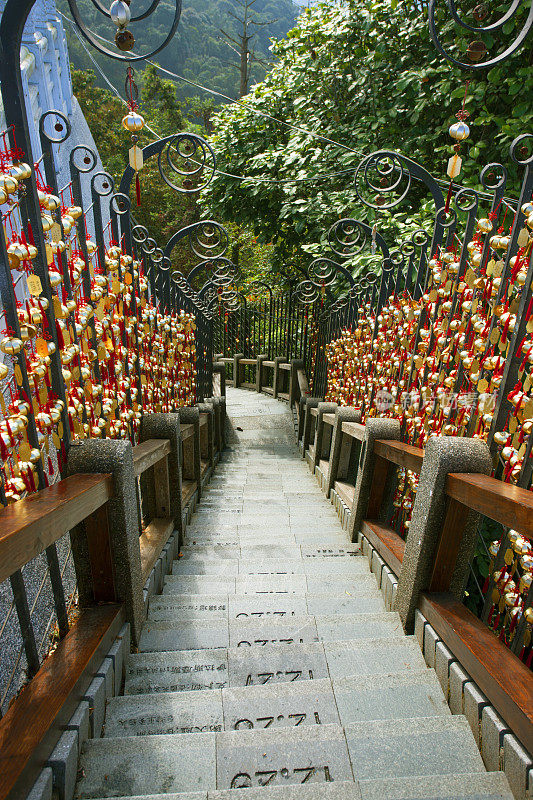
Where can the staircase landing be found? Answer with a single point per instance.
(269, 665)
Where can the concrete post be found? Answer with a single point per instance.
(342, 414)
(217, 432)
(190, 415)
(259, 372)
(167, 426)
(443, 454)
(294, 389)
(219, 368)
(236, 369)
(323, 408)
(374, 429)
(115, 457)
(310, 402)
(277, 374)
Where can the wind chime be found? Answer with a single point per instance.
(133, 122)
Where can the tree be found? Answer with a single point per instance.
(204, 110)
(366, 76)
(241, 44)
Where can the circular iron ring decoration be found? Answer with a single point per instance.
(192, 151)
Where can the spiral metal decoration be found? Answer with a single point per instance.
(349, 237)
(120, 15)
(477, 52)
(190, 160)
(222, 271)
(306, 292)
(208, 239)
(383, 180)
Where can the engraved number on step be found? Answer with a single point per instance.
(266, 722)
(265, 677)
(243, 780)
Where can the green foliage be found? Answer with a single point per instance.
(365, 75)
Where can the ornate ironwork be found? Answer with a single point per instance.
(477, 50)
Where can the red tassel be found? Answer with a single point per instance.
(30, 234)
(137, 189)
(60, 340)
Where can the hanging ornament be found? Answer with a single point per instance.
(134, 123)
(120, 14)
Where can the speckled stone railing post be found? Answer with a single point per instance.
(237, 369)
(192, 468)
(115, 457)
(277, 375)
(310, 402)
(259, 372)
(217, 423)
(294, 388)
(219, 368)
(167, 426)
(207, 446)
(374, 429)
(323, 408)
(443, 454)
(342, 414)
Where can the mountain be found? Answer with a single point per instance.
(198, 51)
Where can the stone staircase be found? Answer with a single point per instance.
(269, 666)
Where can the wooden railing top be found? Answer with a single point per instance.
(285, 366)
(405, 455)
(36, 719)
(226, 360)
(510, 505)
(386, 541)
(268, 363)
(499, 673)
(148, 453)
(314, 412)
(187, 430)
(203, 418)
(250, 362)
(354, 429)
(329, 419)
(30, 525)
(302, 382)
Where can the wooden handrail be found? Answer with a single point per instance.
(328, 419)
(30, 525)
(34, 722)
(284, 366)
(187, 430)
(203, 418)
(152, 541)
(314, 412)
(345, 491)
(148, 453)
(302, 382)
(354, 429)
(267, 363)
(502, 677)
(386, 541)
(248, 362)
(510, 505)
(405, 455)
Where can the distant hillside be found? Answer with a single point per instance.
(198, 51)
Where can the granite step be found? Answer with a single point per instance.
(285, 704)
(269, 757)
(355, 586)
(475, 786)
(185, 607)
(173, 671)
(212, 633)
(349, 564)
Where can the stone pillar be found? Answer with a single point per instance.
(323, 408)
(167, 426)
(259, 372)
(190, 415)
(219, 368)
(217, 423)
(374, 429)
(336, 454)
(115, 457)
(310, 402)
(277, 374)
(443, 454)
(236, 369)
(294, 389)
(209, 451)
